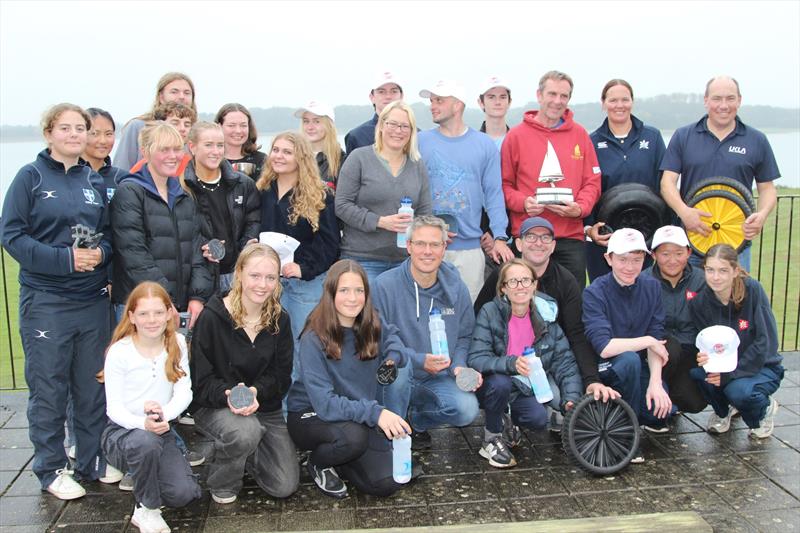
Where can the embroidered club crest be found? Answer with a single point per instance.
(90, 196)
(743, 324)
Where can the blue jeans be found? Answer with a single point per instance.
(299, 298)
(430, 402)
(496, 394)
(750, 395)
(623, 373)
(64, 341)
(373, 267)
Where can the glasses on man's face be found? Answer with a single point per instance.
(394, 126)
(423, 245)
(513, 283)
(545, 238)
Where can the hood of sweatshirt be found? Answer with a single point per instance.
(529, 119)
(443, 293)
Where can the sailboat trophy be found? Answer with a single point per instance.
(551, 173)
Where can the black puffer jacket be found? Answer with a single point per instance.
(487, 351)
(244, 207)
(157, 241)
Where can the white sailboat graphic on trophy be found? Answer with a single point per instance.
(551, 173)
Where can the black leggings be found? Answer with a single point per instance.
(361, 454)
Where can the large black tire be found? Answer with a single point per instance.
(633, 205)
(724, 184)
(600, 437)
(726, 221)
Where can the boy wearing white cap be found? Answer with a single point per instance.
(624, 322)
(385, 90)
(464, 173)
(680, 282)
(495, 100)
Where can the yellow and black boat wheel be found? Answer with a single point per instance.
(728, 213)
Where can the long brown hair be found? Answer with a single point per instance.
(324, 321)
(271, 309)
(725, 252)
(126, 328)
(308, 196)
(165, 80)
(250, 145)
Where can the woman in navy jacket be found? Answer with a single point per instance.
(63, 302)
(629, 151)
(732, 298)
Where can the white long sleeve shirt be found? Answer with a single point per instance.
(131, 380)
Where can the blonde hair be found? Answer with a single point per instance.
(157, 135)
(308, 196)
(271, 308)
(199, 127)
(410, 149)
(330, 145)
(126, 328)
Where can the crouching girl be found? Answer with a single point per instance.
(515, 319)
(147, 385)
(333, 405)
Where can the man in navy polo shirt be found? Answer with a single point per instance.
(720, 144)
(386, 90)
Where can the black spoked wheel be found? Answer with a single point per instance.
(599, 437)
(632, 205)
(721, 183)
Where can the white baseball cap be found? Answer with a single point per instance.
(626, 240)
(318, 108)
(492, 82)
(446, 88)
(384, 77)
(721, 343)
(670, 234)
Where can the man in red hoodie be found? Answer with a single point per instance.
(522, 156)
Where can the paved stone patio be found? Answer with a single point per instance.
(735, 483)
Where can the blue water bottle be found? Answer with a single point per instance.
(539, 382)
(401, 459)
(405, 209)
(438, 334)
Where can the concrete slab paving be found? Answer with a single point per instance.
(734, 482)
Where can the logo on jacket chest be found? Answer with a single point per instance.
(448, 311)
(737, 150)
(48, 194)
(602, 144)
(644, 145)
(743, 324)
(91, 197)
(576, 153)
(690, 295)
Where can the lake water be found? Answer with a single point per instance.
(786, 146)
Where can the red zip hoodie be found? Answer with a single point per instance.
(522, 156)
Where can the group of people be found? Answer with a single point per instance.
(310, 295)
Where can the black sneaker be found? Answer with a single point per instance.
(421, 440)
(555, 422)
(511, 433)
(328, 481)
(498, 455)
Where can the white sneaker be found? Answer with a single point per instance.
(223, 498)
(186, 419)
(721, 425)
(767, 423)
(72, 453)
(112, 475)
(149, 520)
(64, 487)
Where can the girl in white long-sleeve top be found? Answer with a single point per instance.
(147, 385)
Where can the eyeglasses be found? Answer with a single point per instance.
(532, 238)
(392, 125)
(513, 283)
(422, 245)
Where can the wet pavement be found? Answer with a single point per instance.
(734, 482)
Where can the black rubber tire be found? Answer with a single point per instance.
(633, 205)
(738, 186)
(734, 199)
(600, 437)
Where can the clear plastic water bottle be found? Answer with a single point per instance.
(539, 383)
(401, 459)
(438, 334)
(405, 209)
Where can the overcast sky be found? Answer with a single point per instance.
(110, 54)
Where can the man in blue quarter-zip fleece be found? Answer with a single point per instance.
(405, 296)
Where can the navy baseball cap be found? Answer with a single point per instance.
(536, 222)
